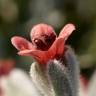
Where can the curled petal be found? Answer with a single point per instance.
(21, 43)
(39, 56)
(66, 31)
(57, 48)
(60, 46)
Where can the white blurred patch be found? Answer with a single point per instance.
(18, 84)
(92, 86)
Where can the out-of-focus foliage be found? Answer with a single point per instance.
(17, 17)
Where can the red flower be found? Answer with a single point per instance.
(6, 66)
(45, 44)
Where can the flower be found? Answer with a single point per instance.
(45, 44)
(6, 65)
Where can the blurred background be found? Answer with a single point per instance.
(17, 17)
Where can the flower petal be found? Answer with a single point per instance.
(39, 56)
(66, 31)
(57, 48)
(21, 43)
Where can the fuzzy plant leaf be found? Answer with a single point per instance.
(64, 74)
(73, 68)
(40, 79)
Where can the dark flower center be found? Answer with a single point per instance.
(45, 42)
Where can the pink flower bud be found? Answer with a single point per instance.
(42, 36)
